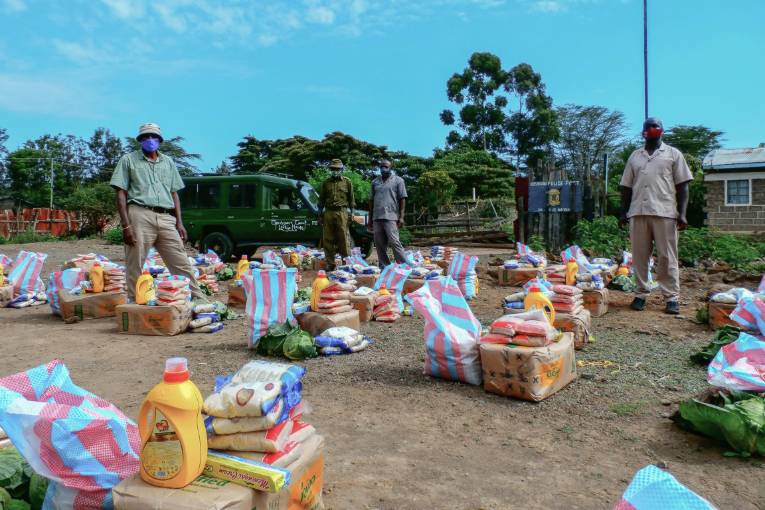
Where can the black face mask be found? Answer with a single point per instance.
(385, 172)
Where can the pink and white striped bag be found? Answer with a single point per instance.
(25, 273)
(270, 294)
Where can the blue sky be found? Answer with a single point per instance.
(214, 72)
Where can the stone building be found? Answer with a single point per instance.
(735, 184)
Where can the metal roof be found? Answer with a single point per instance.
(735, 159)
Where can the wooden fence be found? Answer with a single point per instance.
(53, 221)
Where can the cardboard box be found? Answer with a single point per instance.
(412, 284)
(6, 295)
(579, 325)
(307, 481)
(366, 280)
(236, 296)
(719, 315)
(316, 323)
(517, 277)
(205, 492)
(364, 305)
(152, 320)
(528, 373)
(89, 306)
(596, 301)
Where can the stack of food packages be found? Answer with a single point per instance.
(444, 253)
(556, 274)
(429, 272)
(525, 258)
(530, 329)
(736, 294)
(341, 340)
(174, 290)
(336, 297)
(590, 280)
(114, 278)
(257, 414)
(567, 299)
(206, 319)
(386, 308)
(514, 302)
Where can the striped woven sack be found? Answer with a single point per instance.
(451, 331)
(654, 489)
(462, 269)
(25, 273)
(270, 294)
(393, 277)
(79, 441)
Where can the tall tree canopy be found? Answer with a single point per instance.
(105, 151)
(3, 157)
(470, 168)
(506, 112)
(696, 141)
(299, 156)
(586, 134)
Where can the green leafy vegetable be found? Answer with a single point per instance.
(5, 498)
(723, 337)
(37, 487)
(224, 274)
(288, 341)
(17, 504)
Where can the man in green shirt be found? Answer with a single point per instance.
(147, 184)
(335, 199)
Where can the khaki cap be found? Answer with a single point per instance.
(336, 163)
(150, 129)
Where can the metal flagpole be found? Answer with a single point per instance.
(645, 55)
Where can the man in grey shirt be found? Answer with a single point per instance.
(386, 207)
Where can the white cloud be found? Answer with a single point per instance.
(124, 9)
(13, 6)
(84, 53)
(320, 14)
(56, 95)
(549, 6)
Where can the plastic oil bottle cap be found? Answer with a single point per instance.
(244, 257)
(322, 274)
(176, 370)
(96, 264)
(145, 271)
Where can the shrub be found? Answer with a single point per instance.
(30, 236)
(405, 236)
(601, 237)
(95, 202)
(536, 243)
(113, 235)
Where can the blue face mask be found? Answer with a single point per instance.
(150, 145)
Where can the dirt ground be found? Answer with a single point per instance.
(398, 439)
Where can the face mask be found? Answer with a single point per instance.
(385, 172)
(336, 172)
(653, 133)
(150, 144)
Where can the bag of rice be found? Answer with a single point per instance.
(222, 426)
(290, 453)
(210, 328)
(243, 399)
(271, 440)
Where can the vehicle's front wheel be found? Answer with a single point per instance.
(220, 243)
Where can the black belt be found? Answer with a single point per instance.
(336, 208)
(159, 210)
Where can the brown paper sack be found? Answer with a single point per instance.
(205, 492)
(6, 295)
(364, 305)
(316, 323)
(517, 277)
(236, 296)
(528, 373)
(579, 324)
(719, 315)
(596, 301)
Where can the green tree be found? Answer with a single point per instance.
(435, 189)
(299, 156)
(696, 193)
(3, 159)
(95, 201)
(534, 124)
(106, 149)
(470, 168)
(586, 134)
(222, 169)
(362, 187)
(616, 165)
(481, 118)
(173, 148)
(30, 168)
(697, 141)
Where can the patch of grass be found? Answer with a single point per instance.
(31, 236)
(113, 235)
(629, 408)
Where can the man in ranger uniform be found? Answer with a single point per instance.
(336, 204)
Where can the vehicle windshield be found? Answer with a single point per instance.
(310, 195)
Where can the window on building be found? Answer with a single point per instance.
(207, 196)
(241, 195)
(737, 192)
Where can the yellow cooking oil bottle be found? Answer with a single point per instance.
(536, 299)
(294, 259)
(242, 267)
(173, 436)
(2, 275)
(144, 289)
(383, 291)
(320, 283)
(96, 276)
(572, 268)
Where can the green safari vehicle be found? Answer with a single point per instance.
(236, 214)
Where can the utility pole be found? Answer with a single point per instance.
(51, 183)
(645, 55)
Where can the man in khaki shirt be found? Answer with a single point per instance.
(654, 190)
